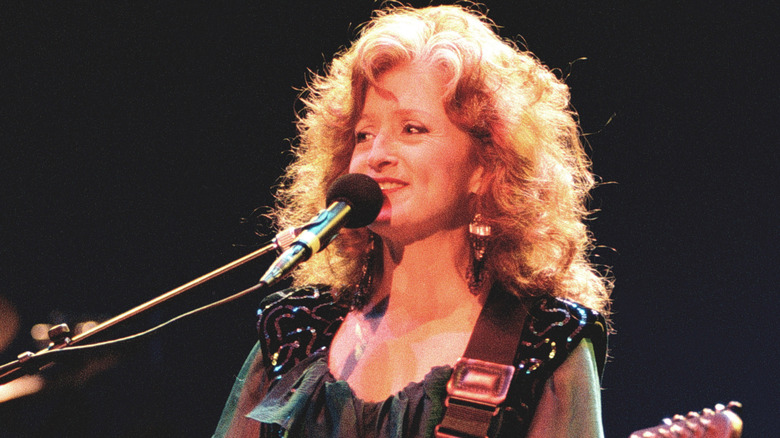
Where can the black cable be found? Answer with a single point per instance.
(46, 357)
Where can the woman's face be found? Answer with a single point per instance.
(424, 164)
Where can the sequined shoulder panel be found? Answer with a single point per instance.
(294, 323)
(552, 329)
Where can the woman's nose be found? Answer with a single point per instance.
(382, 153)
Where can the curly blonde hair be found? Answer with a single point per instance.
(518, 113)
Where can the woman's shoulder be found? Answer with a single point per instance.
(552, 330)
(555, 327)
(296, 322)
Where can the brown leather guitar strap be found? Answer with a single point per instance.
(480, 380)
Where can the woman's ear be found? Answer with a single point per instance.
(476, 179)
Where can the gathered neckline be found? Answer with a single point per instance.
(309, 397)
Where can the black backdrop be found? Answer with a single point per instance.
(137, 137)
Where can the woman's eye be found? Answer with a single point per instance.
(361, 136)
(411, 128)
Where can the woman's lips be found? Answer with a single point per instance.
(388, 186)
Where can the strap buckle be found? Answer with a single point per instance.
(481, 382)
(474, 392)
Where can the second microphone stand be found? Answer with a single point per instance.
(60, 335)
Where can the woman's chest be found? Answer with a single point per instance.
(378, 362)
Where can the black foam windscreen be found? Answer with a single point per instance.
(362, 193)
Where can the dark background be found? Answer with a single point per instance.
(136, 139)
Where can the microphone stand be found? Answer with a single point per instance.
(60, 335)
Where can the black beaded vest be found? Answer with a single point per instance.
(296, 322)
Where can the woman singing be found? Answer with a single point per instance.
(468, 307)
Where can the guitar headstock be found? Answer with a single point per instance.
(722, 422)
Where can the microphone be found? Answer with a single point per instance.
(354, 201)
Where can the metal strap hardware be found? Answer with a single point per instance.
(481, 382)
(474, 392)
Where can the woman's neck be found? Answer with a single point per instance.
(426, 280)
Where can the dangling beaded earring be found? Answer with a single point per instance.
(363, 289)
(479, 235)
